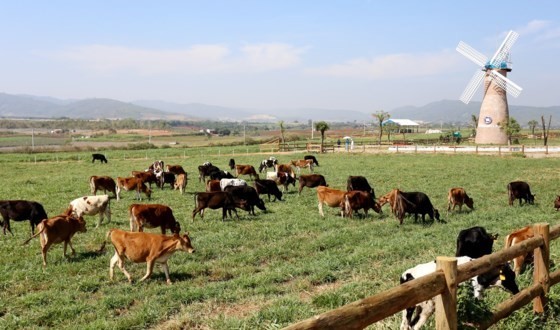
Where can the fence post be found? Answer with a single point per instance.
(499, 150)
(540, 275)
(546, 150)
(523, 149)
(476, 149)
(397, 148)
(434, 148)
(446, 303)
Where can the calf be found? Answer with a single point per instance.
(409, 202)
(135, 184)
(204, 170)
(19, 210)
(231, 182)
(214, 200)
(99, 157)
(458, 196)
(59, 229)
(213, 185)
(105, 183)
(311, 181)
(148, 177)
(145, 247)
(520, 190)
(246, 198)
(267, 163)
(268, 187)
(165, 177)
(91, 205)
(517, 237)
(330, 197)
(246, 170)
(474, 242)
(152, 216)
(501, 276)
(284, 179)
(356, 200)
(286, 168)
(181, 182)
(312, 158)
(175, 169)
(231, 164)
(302, 163)
(359, 183)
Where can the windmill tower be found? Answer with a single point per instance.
(494, 111)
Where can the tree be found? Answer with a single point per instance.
(545, 130)
(511, 127)
(532, 125)
(282, 129)
(322, 126)
(381, 116)
(389, 127)
(474, 121)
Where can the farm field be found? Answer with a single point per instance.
(260, 272)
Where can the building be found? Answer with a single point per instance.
(406, 125)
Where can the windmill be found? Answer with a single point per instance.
(494, 108)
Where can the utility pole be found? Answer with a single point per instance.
(33, 139)
(311, 129)
(244, 135)
(150, 132)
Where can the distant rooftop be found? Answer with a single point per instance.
(400, 122)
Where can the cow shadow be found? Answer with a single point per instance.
(82, 256)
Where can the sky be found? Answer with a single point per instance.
(269, 55)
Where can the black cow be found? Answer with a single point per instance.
(267, 163)
(218, 175)
(474, 242)
(246, 198)
(166, 177)
(268, 187)
(99, 157)
(214, 200)
(520, 190)
(315, 162)
(231, 164)
(359, 183)
(19, 210)
(204, 170)
(420, 204)
(311, 181)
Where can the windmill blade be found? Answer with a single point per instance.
(472, 86)
(471, 53)
(506, 84)
(503, 50)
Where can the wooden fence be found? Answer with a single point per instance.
(443, 284)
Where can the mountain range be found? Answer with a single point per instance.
(445, 111)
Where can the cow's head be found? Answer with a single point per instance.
(185, 242)
(262, 166)
(81, 224)
(175, 228)
(501, 276)
(260, 204)
(470, 203)
(531, 199)
(377, 207)
(436, 214)
(557, 202)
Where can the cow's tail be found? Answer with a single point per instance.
(69, 210)
(130, 218)
(38, 233)
(91, 184)
(509, 239)
(347, 208)
(195, 200)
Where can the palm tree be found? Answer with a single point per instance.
(532, 125)
(381, 116)
(322, 126)
(474, 120)
(282, 129)
(511, 127)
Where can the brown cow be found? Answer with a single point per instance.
(59, 229)
(311, 181)
(285, 168)
(148, 177)
(246, 170)
(135, 184)
(175, 169)
(181, 182)
(557, 202)
(330, 197)
(105, 183)
(215, 200)
(356, 200)
(517, 237)
(152, 216)
(458, 196)
(302, 163)
(145, 247)
(213, 185)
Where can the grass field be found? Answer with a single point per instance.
(264, 271)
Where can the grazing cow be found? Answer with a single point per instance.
(148, 177)
(520, 190)
(218, 175)
(91, 205)
(501, 276)
(474, 242)
(213, 185)
(59, 229)
(204, 170)
(105, 183)
(214, 200)
(231, 164)
(145, 247)
(330, 197)
(246, 198)
(231, 182)
(557, 203)
(284, 179)
(156, 166)
(267, 163)
(181, 182)
(135, 184)
(175, 169)
(409, 202)
(268, 187)
(302, 163)
(152, 216)
(99, 157)
(165, 177)
(312, 158)
(517, 237)
(359, 183)
(356, 200)
(19, 210)
(311, 181)
(286, 168)
(246, 170)
(458, 196)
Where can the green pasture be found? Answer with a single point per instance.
(260, 272)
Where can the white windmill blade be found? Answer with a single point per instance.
(506, 84)
(472, 86)
(503, 50)
(471, 54)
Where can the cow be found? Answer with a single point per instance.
(284, 179)
(312, 158)
(59, 229)
(474, 242)
(91, 205)
(181, 182)
(311, 181)
(100, 157)
(458, 196)
(165, 177)
(557, 203)
(246, 170)
(231, 182)
(285, 168)
(520, 190)
(499, 276)
(213, 185)
(359, 183)
(19, 210)
(135, 184)
(302, 163)
(204, 170)
(148, 177)
(409, 202)
(214, 200)
(517, 237)
(246, 198)
(175, 169)
(151, 216)
(268, 187)
(267, 163)
(231, 164)
(218, 175)
(356, 200)
(156, 166)
(105, 183)
(330, 197)
(145, 247)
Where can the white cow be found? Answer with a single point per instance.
(91, 205)
(232, 182)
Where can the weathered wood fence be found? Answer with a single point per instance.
(443, 284)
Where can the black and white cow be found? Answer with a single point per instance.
(232, 182)
(268, 163)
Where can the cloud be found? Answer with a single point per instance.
(195, 59)
(392, 66)
(532, 27)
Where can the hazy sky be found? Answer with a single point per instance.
(357, 55)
